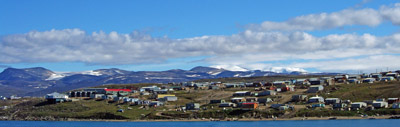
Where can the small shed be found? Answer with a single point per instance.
(316, 81)
(267, 92)
(156, 103)
(358, 105)
(56, 98)
(238, 99)
(249, 106)
(229, 104)
(298, 98)
(217, 101)
(339, 105)
(316, 99)
(170, 98)
(276, 106)
(96, 96)
(315, 88)
(251, 99)
(380, 104)
(369, 80)
(192, 106)
(264, 100)
(241, 93)
(396, 106)
(393, 100)
(329, 101)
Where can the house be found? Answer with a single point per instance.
(156, 103)
(316, 81)
(56, 98)
(276, 106)
(177, 88)
(339, 105)
(108, 97)
(353, 80)
(96, 96)
(365, 76)
(234, 85)
(283, 108)
(266, 93)
(14, 97)
(377, 76)
(386, 78)
(341, 78)
(396, 106)
(201, 85)
(130, 100)
(302, 82)
(122, 92)
(316, 99)
(117, 99)
(164, 95)
(328, 80)
(149, 88)
(315, 88)
(249, 106)
(264, 100)
(329, 101)
(393, 74)
(241, 93)
(213, 87)
(160, 91)
(283, 85)
(393, 100)
(298, 98)
(369, 80)
(354, 76)
(229, 104)
(358, 105)
(86, 92)
(168, 98)
(216, 101)
(380, 104)
(238, 99)
(251, 99)
(192, 106)
(3, 98)
(249, 84)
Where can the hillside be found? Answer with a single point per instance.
(38, 109)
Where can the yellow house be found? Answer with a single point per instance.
(164, 95)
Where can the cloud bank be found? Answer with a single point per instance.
(268, 41)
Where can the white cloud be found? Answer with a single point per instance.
(366, 64)
(245, 49)
(347, 17)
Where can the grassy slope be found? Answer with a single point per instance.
(364, 91)
(91, 109)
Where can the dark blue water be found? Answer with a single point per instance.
(307, 123)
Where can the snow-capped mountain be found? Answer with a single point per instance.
(38, 81)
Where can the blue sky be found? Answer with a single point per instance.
(57, 27)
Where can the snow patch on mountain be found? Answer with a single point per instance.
(91, 72)
(230, 67)
(286, 69)
(56, 76)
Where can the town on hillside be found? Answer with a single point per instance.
(317, 96)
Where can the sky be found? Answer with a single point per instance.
(313, 35)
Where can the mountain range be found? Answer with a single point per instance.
(39, 81)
